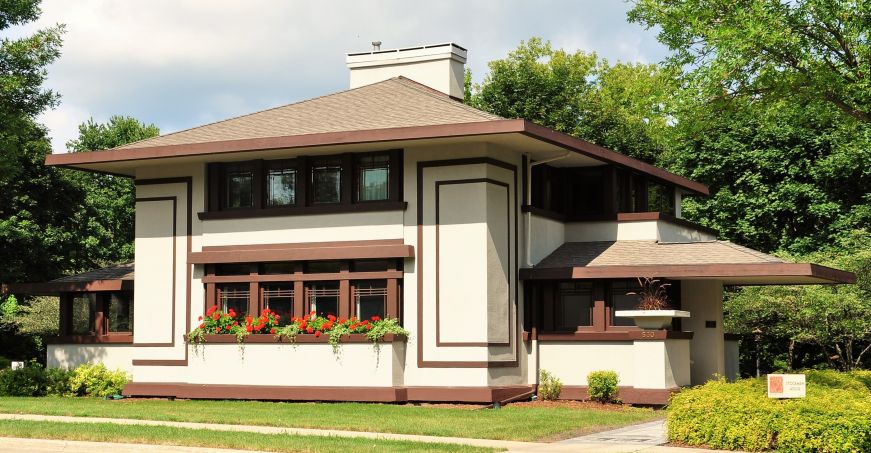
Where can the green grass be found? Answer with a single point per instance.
(165, 435)
(509, 423)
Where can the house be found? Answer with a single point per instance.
(504, 248)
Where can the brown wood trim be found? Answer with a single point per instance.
(421, 362)
(188, 181)
(521, 126)
(628, 394)
(508, 323)
(252, 254)
(713, 271)
(113, 338)
(55, 288)
(369, 206)
(299, 277)
(300, 339)
(312, 393)
(616, 335)
(301, 245)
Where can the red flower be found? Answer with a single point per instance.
(202, 325)
(342, 320)
(200, 318)
(272, 331)
(376, 318)
(331, 317)
(277, 318)
(228, 328)
(232, 313)
(235, 323)
(248, 328)
(368, 326)
(318, 333)
(309, 330)
(216, 316)
(303, 324)
(212, 309)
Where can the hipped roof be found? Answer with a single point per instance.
(719, 260)
(112, 278)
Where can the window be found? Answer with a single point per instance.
(293, 185)
(574, 305)
(370, 298)
(373, 175)
(326, 181)
(621, 299)
(120, 313)
(84, 313)
(373, 265)
(281, 187)
(279, 298)
(232, 269)
(323, 298)
(235, 297)
(277, 268)
(660, 198)
(323, 267)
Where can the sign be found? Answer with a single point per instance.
(17, 365)
(786, 386)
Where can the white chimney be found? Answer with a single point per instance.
(438, 66)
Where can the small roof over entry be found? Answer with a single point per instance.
(720, 260)
(113, 278)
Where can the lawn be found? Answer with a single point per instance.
(165, 435)
(523, 423)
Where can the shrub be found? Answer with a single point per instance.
(27, 381)
(549, 386)
(5, 362)
(97, 380)
(57, 382)
(835, 416)
(602, 386)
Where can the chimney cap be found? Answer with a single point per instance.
(455, 48)
(376, 46)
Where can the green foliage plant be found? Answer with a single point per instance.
(549, 386)
(57, 381)
(602, 386)
(30, 380)
(834, 417)
(97, 380)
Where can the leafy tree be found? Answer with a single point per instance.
(806, 50)
(106, 227)
(622, 106)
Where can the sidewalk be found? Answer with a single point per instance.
(645, 438)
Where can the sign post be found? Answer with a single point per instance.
(786, 386)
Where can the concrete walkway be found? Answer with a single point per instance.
(637, 438)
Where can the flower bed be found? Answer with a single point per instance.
(219, 327)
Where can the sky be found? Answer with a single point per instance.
(182, 63)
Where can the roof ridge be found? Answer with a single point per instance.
(304, 101)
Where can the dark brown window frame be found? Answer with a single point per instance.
(303, 202)
(99, 332)
(300, 279)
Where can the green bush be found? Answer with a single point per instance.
(57, 382)
(549, 386)
(834, 417)
(602, 386)
(97, 380)
(5, 362)
(27, 381)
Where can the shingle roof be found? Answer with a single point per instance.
(396, 102)
(647, 253)
(117, 272)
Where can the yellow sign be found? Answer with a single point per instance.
(786, 386)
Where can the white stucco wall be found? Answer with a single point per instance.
(704, 300)
(114, 356)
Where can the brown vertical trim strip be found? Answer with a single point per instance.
(392, 308)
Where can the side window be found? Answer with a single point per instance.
(373, 178)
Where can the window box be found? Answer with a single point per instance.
(304, 338)
(652, 319)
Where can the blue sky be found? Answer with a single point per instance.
(179, 64)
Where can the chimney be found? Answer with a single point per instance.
(438, 66)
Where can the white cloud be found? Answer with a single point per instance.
(182, 63)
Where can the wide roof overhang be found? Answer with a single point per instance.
(728, 273)
(538, 141)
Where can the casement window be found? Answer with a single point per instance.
(624, 296)
(345, 182)
(574, 305)
(344, 288)
(96, 314)
(660, 198)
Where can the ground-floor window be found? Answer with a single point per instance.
(96, 313)
(343, 288)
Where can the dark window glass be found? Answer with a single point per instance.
(84, 310)
(232, 269)
(279, 298)
(660, 198)
(586, 191)
(323, 297)
(326, 177)
(574, 305)
(281, 187)
(239, 189)
(120, 312)
(621, 299)
(373, 174)
(371, 265)
(277, 268)
(234, 296)
(323, 267)
(371, 298)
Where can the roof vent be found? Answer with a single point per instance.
(438, 66)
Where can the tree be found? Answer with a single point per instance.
(623, 106)
(106, 229)
(805, 49)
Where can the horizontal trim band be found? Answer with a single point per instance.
(306, 210)
(249, 255)
(117, 338)
(625, 335)
(266, 278)
(55, 288)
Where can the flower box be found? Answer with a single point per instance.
(652, 319)
(303, 338)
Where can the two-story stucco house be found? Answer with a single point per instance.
(504, 248)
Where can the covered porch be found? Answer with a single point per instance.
(573, 294)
